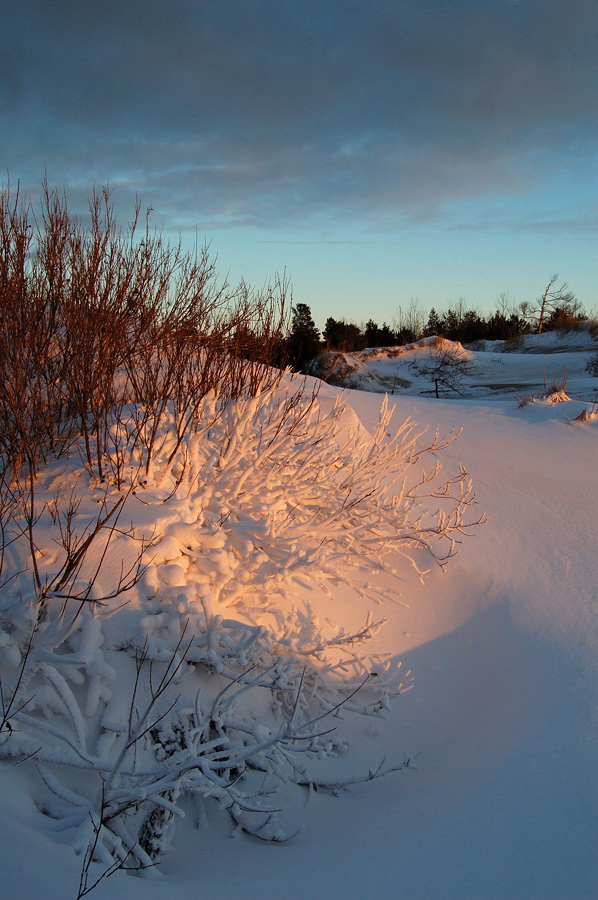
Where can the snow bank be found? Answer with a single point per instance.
(500, 726)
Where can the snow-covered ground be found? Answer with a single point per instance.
(501, 800)
(490, 368)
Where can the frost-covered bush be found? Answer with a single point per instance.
(154, 636)
(168, 501)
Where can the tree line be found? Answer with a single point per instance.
(557, 309)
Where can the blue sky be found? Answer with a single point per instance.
(376, 150)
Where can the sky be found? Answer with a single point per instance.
(376, 151)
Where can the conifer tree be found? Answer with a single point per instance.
(304, 339)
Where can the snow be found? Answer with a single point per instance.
(501, 799)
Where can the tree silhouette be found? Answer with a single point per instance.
(556, 307)
(304, 339)
(436, 325)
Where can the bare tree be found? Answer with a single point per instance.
(552, 299)
(446, 366)
(410, 322)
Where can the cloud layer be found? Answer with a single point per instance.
(280, 114)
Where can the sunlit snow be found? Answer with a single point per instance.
(500, 728)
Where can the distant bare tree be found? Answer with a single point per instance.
(446, 366)
(410, 321)
(506, 304)
(552, 299)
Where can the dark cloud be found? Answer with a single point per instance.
(224, 111)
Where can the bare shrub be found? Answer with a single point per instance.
(555, 388)
(92, 317)
(592, 365)
(444, 363)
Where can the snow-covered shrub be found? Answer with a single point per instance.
(167, 501)
(558, 397)
(162, 648)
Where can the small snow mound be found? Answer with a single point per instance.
(443, 345)
(586, 416)
(558, 397)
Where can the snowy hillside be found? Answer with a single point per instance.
(489, 368)
(485, 668)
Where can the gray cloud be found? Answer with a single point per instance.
(271, 113)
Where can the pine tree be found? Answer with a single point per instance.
(304, 339)
(387, 337)
(371, 334)
(435, 325)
